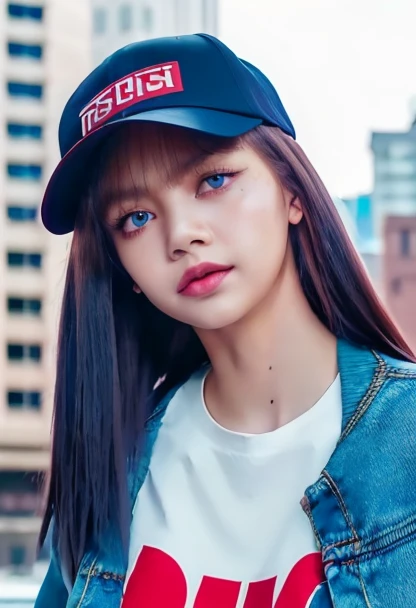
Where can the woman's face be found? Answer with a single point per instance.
(204, 237)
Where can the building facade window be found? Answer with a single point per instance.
(24, 352)
(30, 306)
(33, 172)
(395, 285)
(23, 89)
(17, 556)
(405, 243)
(125, 17)
(22, 11)
(24, 131)
(147, 19)
(99, 20)
(19, 494)
(24, 399)
(31, 51)
(402, 150)
(19, 259)
(22, 214)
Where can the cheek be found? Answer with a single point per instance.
(258, 219)
(138, 258)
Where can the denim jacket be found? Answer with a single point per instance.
(362, 509)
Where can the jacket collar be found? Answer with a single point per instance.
(357, 366)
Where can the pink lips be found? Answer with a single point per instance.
(202, 279)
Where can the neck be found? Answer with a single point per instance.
(270, 367)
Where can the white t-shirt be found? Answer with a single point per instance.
(218, 521)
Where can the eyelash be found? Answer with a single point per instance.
(224, 172)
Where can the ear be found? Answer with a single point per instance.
(295, 211)
(136, 288)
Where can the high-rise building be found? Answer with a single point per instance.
(44, 53)
(394, 176)
(400, 273)
(120, 22)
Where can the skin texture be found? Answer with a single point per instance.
(257, 326)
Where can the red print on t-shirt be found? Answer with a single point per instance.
(157, 581)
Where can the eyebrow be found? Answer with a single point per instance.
(112, 198)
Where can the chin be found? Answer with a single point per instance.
(211, 317)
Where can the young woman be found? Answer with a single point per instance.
(235, 410)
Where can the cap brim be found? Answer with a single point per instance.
(61, 199)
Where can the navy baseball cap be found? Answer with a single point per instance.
(193, 81)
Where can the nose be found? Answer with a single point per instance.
(186, 232)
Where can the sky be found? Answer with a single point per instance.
(342, 68)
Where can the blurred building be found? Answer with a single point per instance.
(400, 273)
(346, 216)
(394, 175)
(394, 213)
(120, 22)
(361, 209)
(44, 53)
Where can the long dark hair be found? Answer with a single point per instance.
(114, 346)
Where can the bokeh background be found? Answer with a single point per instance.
(345, 72)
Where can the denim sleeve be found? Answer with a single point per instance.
(53, 591)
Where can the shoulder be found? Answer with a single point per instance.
(374, 463)
(378, 392)
(371, 379)
(389, 406)
(399, 379)
(393, 365)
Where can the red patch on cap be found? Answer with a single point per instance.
(153, 81)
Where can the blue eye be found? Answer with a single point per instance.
(140, 218)
(215, 181)
(135, 221)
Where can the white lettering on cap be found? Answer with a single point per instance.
(154, 81)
